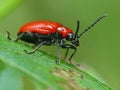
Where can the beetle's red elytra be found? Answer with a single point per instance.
(48, 33)
(45, 28)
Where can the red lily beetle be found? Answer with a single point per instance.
(49, 33)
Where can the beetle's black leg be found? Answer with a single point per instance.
(8, 35)
(70, 47)
(58, 56)
(70, 58)
(34, 50)
(58, 44)
(18, 37)
(66, 53)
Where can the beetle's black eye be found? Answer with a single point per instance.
(69, 37)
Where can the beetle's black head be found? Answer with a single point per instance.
(71, 37)
(74, 37)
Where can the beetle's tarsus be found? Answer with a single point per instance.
(75, 64)
(28, 52)
(58, 61)
(8, 36)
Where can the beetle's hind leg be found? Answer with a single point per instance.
(18, 37)
(8, 35)
(36, 48)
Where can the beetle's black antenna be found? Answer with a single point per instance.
(100, 18)
(78, 26)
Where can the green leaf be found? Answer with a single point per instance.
(39, 71)
(10, 79)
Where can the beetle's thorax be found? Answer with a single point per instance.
(63, 31)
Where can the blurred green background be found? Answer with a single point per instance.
(100, 47)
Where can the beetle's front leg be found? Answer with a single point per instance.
(68, 46)
(66, 53)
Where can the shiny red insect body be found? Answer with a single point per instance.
(45, 28)
(49, 33)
